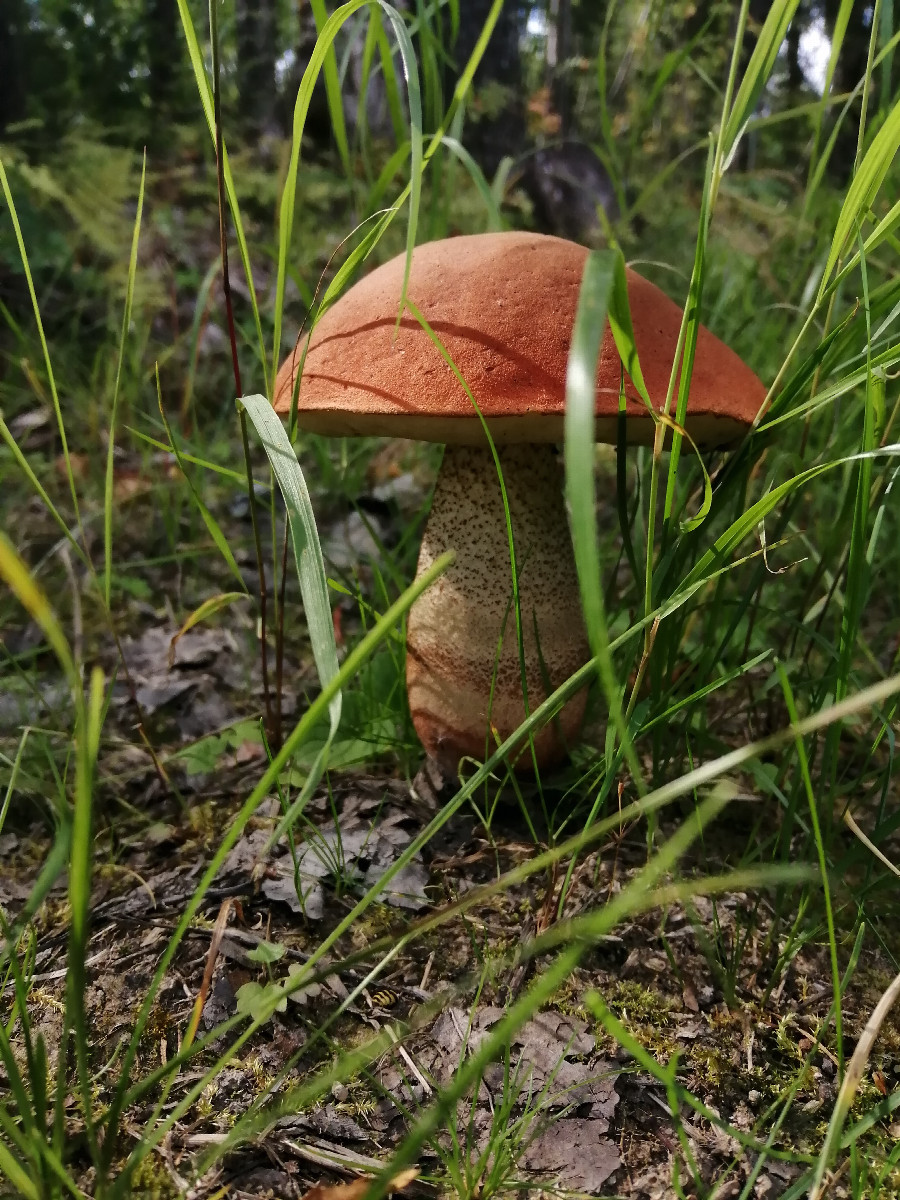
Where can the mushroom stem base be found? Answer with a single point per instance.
(464, 671)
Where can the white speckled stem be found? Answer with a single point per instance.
(455, 628)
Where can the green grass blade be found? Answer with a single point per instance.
(111, 445)
(858, 574)
(204, 88)
(80, 872)
(683, 366)
(305, 540)
(748, 520)
(32, 478)
(13, 776)
(864, 187)
(301, 731)
(170, 447)
(414, 99)
(57, 409)
(17, 1175)
(485, 191)
(823, 863)
(301, 108)
(818, 168)
(882, 231)
(429, 56)
(838, 32)
(581, 376)
(389, 73)
(212, 525)
(333, 90)
(597, 286)
(622, 328)
(17, 577)
(759, 69)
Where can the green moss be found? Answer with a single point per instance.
(151, 1180)
(638, 1005)
(379, 920)
(647, 1013)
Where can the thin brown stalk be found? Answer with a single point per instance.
(239, 390)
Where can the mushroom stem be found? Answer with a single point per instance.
(461, 637)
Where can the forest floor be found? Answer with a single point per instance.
(567, 1110)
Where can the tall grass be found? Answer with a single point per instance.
(765, 563)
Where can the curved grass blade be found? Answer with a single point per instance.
(459, 94)
(855, 1072)
(301, 731)
(597, 285)
(57, 409)
(305, 539)
(28, 471)
(747, 522)
(485, 191)
(203, 611)
(759, 69)
(301, 108)
(864, 187)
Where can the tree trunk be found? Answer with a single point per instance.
(496, 118)
(559, 52)
(795, 78)
(12, 72)
(256, 55)
(164, 60)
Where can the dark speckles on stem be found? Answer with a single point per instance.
(456, 627)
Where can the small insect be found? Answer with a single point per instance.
(382, 998)
(880, 1082)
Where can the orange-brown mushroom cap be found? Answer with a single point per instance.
(503, 304)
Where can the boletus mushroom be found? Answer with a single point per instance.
(503, 305)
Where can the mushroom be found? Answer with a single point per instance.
(503, 305)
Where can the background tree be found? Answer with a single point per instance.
(167, 77)
(256, 33)
(12, 64)
(496, 120)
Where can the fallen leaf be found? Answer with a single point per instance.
(208, 608)
(357, 1188)
(575, 1154)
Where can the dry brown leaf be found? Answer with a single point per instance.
(357, 1188)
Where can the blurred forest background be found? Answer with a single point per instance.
(582, 111)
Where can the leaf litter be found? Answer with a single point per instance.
(581, 1116)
